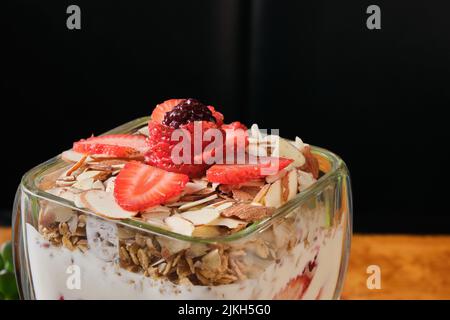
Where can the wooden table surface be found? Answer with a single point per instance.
(412, 267)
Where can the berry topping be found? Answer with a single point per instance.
(139, 186)
(240, 173)
(188, 110)
(115, 145)
(161, 146)
(161, 109)
(217, 115)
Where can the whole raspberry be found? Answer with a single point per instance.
(187, 111)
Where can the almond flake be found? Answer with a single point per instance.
(206, 231)
(286, 149)
(109, 184)
(248, 212)
(77, 165)
(261, 193)
(179, 225)
(202, 216)
(73, 156)
(62, 193)
(273, 195)
(143, 131)
(275, 177)
(98, 185)
(227, 222)
(153, 211)
(196, 203)
(77, 201)
(299, 144)
(222, 205)
(292, 184)
(240, 195)
(157, 223)
(305, 179)
(85, 184)
(104, 204)
(89, 174)
(193, 187)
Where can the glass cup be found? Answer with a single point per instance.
(64, 252)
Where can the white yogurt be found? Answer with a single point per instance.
(100, 279)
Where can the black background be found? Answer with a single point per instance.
(378, 98)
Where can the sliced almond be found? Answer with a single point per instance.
(273, 195)
(299, 144)
(62, 193)
(202, 216)
(98, 185)
(104, 204)
(227, 222)
(222, 205)
(195, 186)
(156, 210)
(77, 201)
(157, 223)
(179, 225)
(277, 176)
(77, 165)
(240, 195)
(156, 215)
(255, 133)
(109, 184)
(248, 212)
(85, 184)
(196, 203)
(206, 231)
(292, 184)
(143, 131)
(305, 179)
(72, 156)
(89, 174)
(285, 149)
(260, 195)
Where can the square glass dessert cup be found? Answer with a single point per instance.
(299, 252)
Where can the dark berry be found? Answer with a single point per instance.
(188, 110)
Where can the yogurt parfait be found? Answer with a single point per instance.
(182, 205)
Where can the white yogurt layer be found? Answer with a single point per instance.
(99, 279)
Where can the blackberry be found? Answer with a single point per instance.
(187, 111)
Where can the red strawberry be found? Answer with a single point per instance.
(139, 186)
(117, 145)
(295, 289)
(161, 109)
(240, 173)
(161, 146)
(217, 115)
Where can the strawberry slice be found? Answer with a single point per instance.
(295, 289)
(217, 115)
(161, 109)
(116, 145)
(240, 173)
(139, 186)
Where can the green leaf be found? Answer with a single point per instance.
(2, 264)
(6, 253)
(8, 285)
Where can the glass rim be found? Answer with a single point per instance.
(28, 185)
